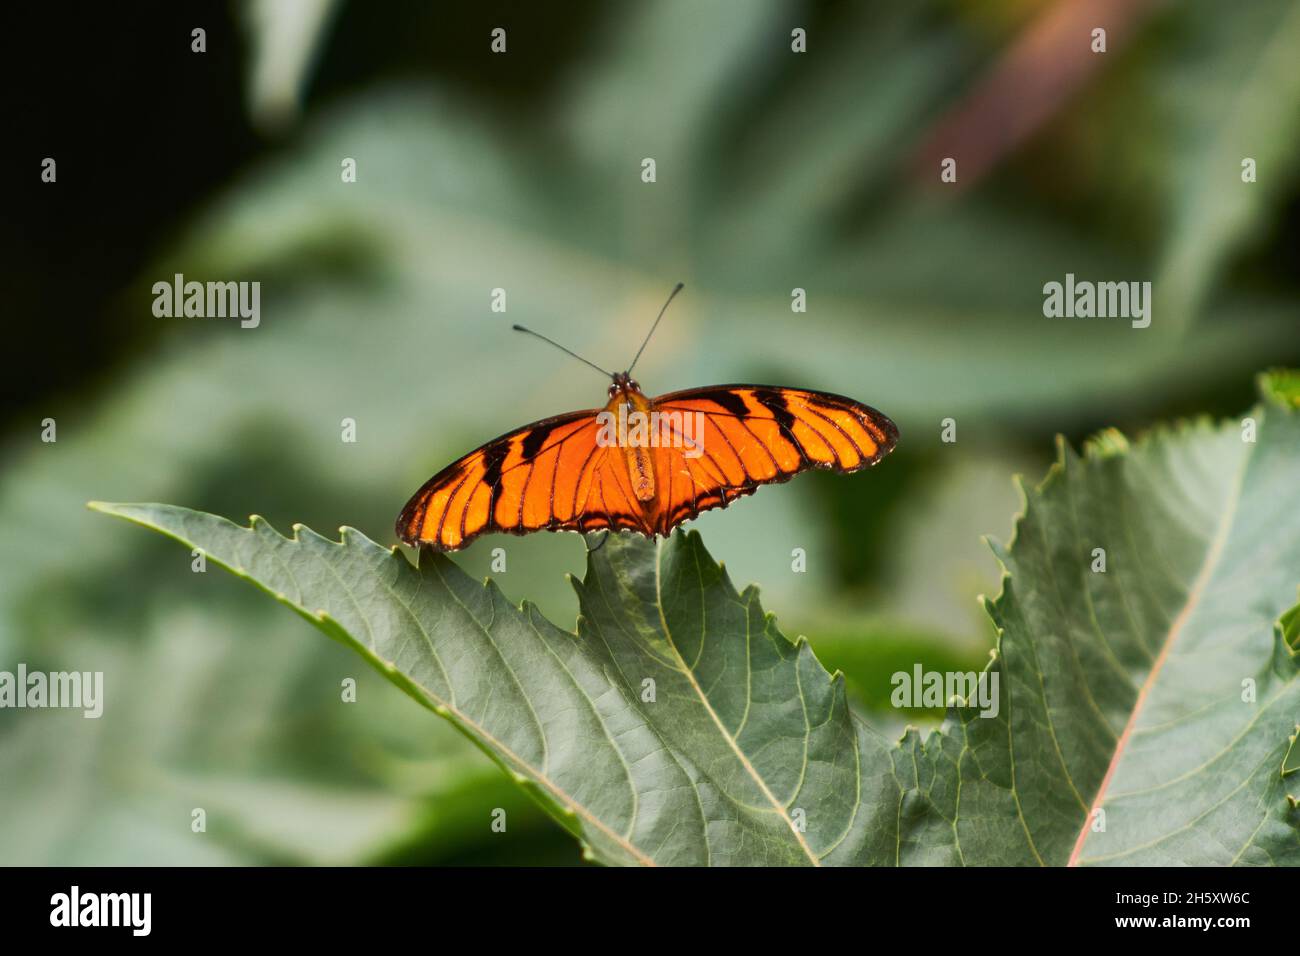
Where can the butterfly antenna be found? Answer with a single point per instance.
(671, 295)
(520, 328)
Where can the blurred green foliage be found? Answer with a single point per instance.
(775, 170)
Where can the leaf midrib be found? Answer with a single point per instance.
(717, 720)
(1194, 594)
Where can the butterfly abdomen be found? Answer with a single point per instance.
(634, 433)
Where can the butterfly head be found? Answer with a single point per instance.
(623, 383)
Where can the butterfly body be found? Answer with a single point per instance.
(643, 464)
(625, 402)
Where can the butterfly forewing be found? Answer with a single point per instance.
(539, 476)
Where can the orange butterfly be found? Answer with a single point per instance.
(642, 464)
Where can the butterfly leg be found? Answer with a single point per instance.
(591, 550)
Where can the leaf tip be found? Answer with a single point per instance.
(1280, 386)
(1108, 443)
(1291, 759)
(999, 551)
(349, 534)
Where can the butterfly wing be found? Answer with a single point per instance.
(754, 435)
(554, 475)
(551, 475)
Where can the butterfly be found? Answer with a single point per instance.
(642, 464)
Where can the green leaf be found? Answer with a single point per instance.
(678, 725)
(1237, 96)
(285, 40)
(1281, 386)
(1159, 691)
(687, 779)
